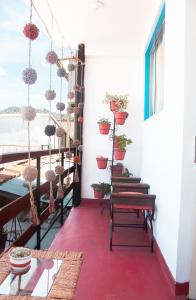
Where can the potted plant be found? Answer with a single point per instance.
(104, 126)
(102, 162)
(101, 189)
(117, 170)
(122, 141)
(116, 102)
(3, 238)
(120, 116)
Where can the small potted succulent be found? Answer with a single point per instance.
(101, 189)
(116, 102)
(121, 143)
(104, 126)
(102, 162)
(20, 259)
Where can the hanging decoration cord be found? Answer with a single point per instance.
(30, 172)
(28, 93)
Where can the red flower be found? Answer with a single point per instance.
(31, 31)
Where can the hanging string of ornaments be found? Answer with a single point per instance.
(50, 130)
(60, 132)
(28, 114)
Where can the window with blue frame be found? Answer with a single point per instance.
(154, 69)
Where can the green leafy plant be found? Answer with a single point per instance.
(103, 120)
(102, 186)
(120, 100)
(122, 141)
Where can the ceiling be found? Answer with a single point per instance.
(120, 27)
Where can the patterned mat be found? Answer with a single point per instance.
(64, 285)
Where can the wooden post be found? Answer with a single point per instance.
(79, 126)
(38, 204)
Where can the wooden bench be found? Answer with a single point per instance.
(129, 201)
(130, 187)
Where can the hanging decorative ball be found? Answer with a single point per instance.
(28, 113)
(31, 31)
(77, 88)
(70, 110)
(80, 148)
(68, 154)
(71, 67)
(61, 72)
(59, 170)
(50, 175)
(71, 95)
(60, 132)
(80, 119)
(29, 76)
(76, 143)
(50, 95)
(49, 130)
(80, 105)
(30, 173)
(51, 57)
(60, 106)
(76, 110)
(76, 159)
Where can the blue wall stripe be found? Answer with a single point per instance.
(150, 44)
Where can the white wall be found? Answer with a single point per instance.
(168, 142)
(121, 75)
(163, 138)
(188, 188)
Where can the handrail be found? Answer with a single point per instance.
(11, 157)
(11, 210)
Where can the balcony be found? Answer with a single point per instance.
(95, 56)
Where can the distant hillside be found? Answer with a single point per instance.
(16, 109)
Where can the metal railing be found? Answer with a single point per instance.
(11, 210)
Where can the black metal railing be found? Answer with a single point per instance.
(11, 210)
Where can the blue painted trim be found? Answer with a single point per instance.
(149, 47)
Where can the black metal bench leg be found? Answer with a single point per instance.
(111, 225)
(152, 234)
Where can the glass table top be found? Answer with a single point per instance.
(36, 282)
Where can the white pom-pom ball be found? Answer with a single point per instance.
(30, 173)
(60, 132)
(80, 148)
(50, 175)
(28, 113)
(50, 95)
(59, 170)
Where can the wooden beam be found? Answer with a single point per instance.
(12, 157)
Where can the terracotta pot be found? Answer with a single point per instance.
(119, 154)
(113, 106)
(120, 117)
(104, 128)
(116, 170)
(98, 194)
(102, 162)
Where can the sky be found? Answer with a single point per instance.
(14, 58)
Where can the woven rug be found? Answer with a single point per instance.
(64, 285)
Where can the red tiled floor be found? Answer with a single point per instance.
(124, 273)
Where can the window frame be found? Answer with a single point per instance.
(158, 24)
